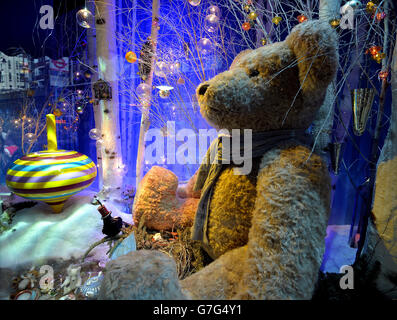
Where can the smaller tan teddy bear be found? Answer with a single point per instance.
(162, 204)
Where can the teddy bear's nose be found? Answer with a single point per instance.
(203, 89)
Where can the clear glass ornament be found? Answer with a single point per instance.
(205, 46)
(194, 3)
(143, 90)
(211, 22)
(94, 134)
(161, 69)
(30, 137)
(212, 9)
(85, 18)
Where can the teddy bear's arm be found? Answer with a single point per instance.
(188, 190)
(286, 239)
(219, 280)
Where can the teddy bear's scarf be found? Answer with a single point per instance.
(213, 163)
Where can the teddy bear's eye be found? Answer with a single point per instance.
(253, 73)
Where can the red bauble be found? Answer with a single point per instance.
(246, 26)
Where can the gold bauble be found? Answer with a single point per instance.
(130, 57)
(57, 112)
(252, 15)
(334, 23)
(276, 20)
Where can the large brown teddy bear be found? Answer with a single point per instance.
(266, 229)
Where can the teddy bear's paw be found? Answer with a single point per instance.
(141, 275)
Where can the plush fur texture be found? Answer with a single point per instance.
(288, 90)
(269, 227)
(285, 244)
(158, 204)
(141, 275)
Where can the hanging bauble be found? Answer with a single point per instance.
(252, 15)
(30, 137)
(77, 76)
(180, 81)
(246, 26)
(204, 46)
(57, 112)
(28, 122)
(301, 18)
(362, 100)
(164, 91)
(194, 3)
(64, 107)
(334, 23)
(79, 93)
(176, 66)
(80, 109)
(161, 69)
(374, 50)
(212, 9)
(371, 7)
(382, 75)
(95, 134)
(85, 18)
(380, 16)
(52, 175)
(247, 8)
(211, 22)
(164, 94)
(173, 68)
(130, 57)
(378, 57)
(276, 20)
(143, 90)
(17, 123)
(263, 41)
(375, 53)
(87, 74)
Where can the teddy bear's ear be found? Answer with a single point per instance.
(314, 44)
(238, 57)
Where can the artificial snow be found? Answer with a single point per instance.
(37, 234)
(41, 235)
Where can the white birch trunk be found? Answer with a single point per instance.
(107, 111)
(322, 125)
(145, 121)
(93, 64)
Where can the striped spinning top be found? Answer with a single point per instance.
(51, 176)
